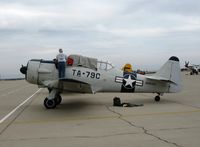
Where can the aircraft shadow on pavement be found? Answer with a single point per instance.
(148, 101)
(77, 105)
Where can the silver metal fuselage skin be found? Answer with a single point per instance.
(100, 80)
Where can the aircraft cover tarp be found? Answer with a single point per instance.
(83, 61)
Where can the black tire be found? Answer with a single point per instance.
(157, 98)
(58, 99)
(49, 104)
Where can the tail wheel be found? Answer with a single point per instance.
(157, 98)
(58, 99)
(49, 104)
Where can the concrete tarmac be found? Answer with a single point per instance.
(88, 120)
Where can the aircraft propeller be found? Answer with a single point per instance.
(23, 69)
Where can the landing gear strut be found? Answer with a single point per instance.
(52, 100)
(58, 99)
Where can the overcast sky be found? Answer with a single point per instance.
(144, 33)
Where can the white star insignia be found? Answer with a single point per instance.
(129, 81)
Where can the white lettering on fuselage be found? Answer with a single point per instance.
(87, 74)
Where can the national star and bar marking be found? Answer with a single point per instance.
(129, 81)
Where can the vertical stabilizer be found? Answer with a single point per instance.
(171, 72)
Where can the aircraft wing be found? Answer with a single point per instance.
(50, 83)
(72, 85)
(69, 85)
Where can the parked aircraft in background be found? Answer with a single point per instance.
(194, 69)
(88, 75)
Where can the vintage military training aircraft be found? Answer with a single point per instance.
(88, 75)
(194, 69)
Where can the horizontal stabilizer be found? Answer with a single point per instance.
(159, 79)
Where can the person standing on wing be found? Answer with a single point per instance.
(61, 59)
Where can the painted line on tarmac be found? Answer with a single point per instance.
(15, 109)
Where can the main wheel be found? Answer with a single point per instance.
(58, 99)
(49, 104)
(157, 98)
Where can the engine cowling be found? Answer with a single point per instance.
(32, 71)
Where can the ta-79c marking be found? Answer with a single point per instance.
(87, 74)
